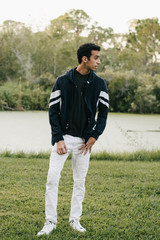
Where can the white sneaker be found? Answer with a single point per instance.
(75, 224)
(49, 226)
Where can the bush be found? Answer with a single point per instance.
(46, 80)
(127, 91)
(14, 97)
(121, 88)
(35, 99)
(131, 93)
(146, 98)
(9, 95)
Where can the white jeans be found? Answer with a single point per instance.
(80, 164)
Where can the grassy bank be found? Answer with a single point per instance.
(122, 200)
(125, 156)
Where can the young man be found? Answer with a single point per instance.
(74, 101)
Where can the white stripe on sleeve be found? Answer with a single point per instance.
(103, 102)
(54, 102)
(55, 94)
(104, 95)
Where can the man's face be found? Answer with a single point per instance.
(94, 60)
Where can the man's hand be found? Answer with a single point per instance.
(88, 146)
(61, 147)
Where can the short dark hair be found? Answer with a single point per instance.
(85, 50)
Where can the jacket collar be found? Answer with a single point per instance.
(70, 74)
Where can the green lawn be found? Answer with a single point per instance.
(122, 200)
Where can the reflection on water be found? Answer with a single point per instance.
(30, 131)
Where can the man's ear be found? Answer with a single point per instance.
(84, 59)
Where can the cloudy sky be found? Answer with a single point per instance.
(108, 13)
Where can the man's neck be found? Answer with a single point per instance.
(82, 70)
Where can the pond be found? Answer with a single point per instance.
(30, 131)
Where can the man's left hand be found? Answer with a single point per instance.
(88, 146)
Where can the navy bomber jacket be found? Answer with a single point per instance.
(61, 105)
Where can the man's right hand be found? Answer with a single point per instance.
(61, 147)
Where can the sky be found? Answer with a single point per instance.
(108, 13)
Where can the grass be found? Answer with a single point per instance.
(142, 155)
(122, 200)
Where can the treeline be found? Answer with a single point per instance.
(31, 61)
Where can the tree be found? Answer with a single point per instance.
(143, 44)
(15, 41)
(63, 37)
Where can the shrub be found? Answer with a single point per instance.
(146, 98)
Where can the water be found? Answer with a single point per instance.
(30, 131)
